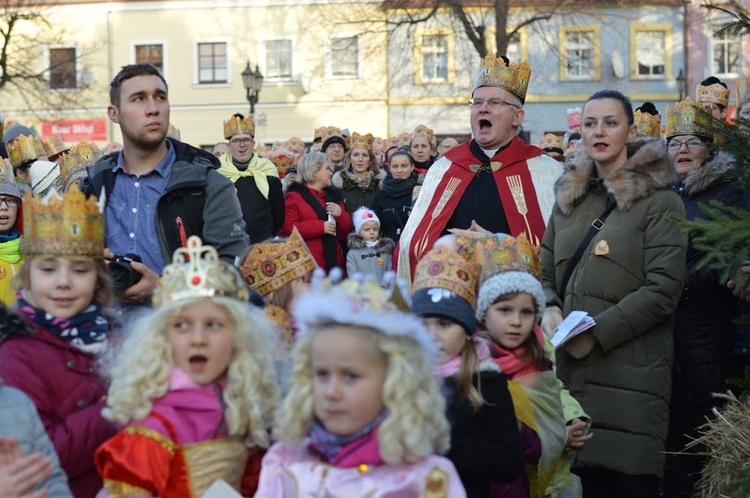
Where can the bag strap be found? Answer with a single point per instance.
(595, 227)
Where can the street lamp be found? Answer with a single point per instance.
(253, 83)
(680, 79)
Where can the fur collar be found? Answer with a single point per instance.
(646, 170)
(355, 241)
(719, 169)
(340, 182)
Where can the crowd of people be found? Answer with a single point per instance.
(368, 317)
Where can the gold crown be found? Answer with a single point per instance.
(236, 126)
(319, 133)
(283, 159)
(326, 132)
(296, 145)
(743, 90)
(197, 271)
(494, 72)
(687, 118)
(24, 148)
(551, 141)
(648, 125)
(71, 225)
(715, 94)
(73, 163)
(360, 141)
(269, 266)
(53, 145)
(497, 253)
(378, 144)
(423, 131)
(444, 268)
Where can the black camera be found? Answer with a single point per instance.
(122, 273)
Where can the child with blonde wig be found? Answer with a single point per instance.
(363, 416)
(194, 385)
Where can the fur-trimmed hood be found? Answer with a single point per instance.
(356, 241)
(647, 170)
(719, 169)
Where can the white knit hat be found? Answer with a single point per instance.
(362, 216)
(506, 283)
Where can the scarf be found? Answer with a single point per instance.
(350, 179)
(396, 188)
(257, 168)
(328, 445)
(330, 252)
(451, 367)
(513, 362)
(10, 247)
(86, 331)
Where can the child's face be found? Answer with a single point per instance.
(510, 320)
(202, 340)
(300, 285)
(348, 374)
(370, 231)
(8, 212)
(63, 287)
(451, 338)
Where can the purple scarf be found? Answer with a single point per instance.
(328, 445)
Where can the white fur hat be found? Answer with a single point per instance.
(362, 216)
(505, 283)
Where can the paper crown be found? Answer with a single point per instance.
(319, 133)
(295, 144)
(550, 141)
(73, 163)
(283, 159)
(196, 271)
(687, 118)
(236, 126)
(423, 131)
(269, 266)
(648, 125)
(402, 140)
(497, 253)
(743, 90)
(24, 148)
(494, 72)
(715, 93)
(444, 268)
(327, 132)
(360, 141)
(573, 116)
(378, 144)
(71, 225)
(53, 146)
(8, 179)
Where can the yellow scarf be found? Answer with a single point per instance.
(10, 250)
(259, 168)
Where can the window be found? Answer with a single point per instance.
(433, 56)
(279, 59)
(152, 53)
(62, 68)
(651, 51)
(345, 57)
(515, 50)
(726, 55)
(212, 63)
(580, 53)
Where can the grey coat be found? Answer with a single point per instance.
(374, 261)
(629, 280)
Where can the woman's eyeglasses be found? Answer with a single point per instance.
(9, 201)
(691, 144)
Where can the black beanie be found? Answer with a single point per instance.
(443, 303)
(331, 141)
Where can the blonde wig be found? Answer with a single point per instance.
(415, 425)
(141, 372)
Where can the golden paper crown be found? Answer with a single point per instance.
(378, 144)
(53, 145)
(328, 132)
(319, 133)
(24, 148)
(551, 141)
(494, 72)
(269, 266)
(423, 131)
(444, 268)
(197, 271)
(73, 163)
(743, 90)
(715, 94)
(360, 141)
(71, 225)
(647, 124)
(687, 118)
(236, 126)
(497, 253)
(296, 145)
(283, 159)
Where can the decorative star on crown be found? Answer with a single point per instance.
(447, 269)
(24, 148)
(743, 90)
(715, 93)
(73, 163)
(648, 124)
(236, 126)
(361, 141)
(196, 271)
(494, 72)
(687, 118)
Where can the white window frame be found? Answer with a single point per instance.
(330, 62)
(727, 40)
(79, 67)
(196, 62)
(666, 30)
(164, 49)
(263, 58)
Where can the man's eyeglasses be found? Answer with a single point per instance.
(692, 144)
(9, 201)
(493, 104)
(240, 141)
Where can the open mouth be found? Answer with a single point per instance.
(198, 362)
(4, 219)
(600, 146)
(484, 124)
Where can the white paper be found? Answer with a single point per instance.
(575, 323)
(221, 489)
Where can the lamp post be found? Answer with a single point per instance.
(680, 79)
(253, 83)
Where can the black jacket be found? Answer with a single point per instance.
(263, 217)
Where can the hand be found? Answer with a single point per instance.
(551, 318)
(577, 435)
(17, 480)
(581, 345)
(144, 289)
(333, 209)
(741, 292)
(329, 228)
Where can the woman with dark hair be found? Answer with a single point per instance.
(628, 276)
(393, 203)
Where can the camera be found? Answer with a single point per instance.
(122, 273)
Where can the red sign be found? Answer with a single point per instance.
(75, 130)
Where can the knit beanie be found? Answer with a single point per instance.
(362, 216)
(508, 282)
(15, 130)
(333, 140)
(443, 303)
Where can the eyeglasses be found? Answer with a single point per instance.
(691, 144)
(240, 141)
(493, 104)
(9, 201)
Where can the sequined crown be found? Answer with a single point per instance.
(423, 131)
(73, 163)
(687, 118)
(648, 125)
(444, 268)
(551, 141)
(743, 90)
(326, 132)
(360, 141)
(715, 93)
(72, 225)
(283, 159)
(24, 148)
(494, 72)
(269, 266)
(296, 145)
(497, 253)
(196, 271)
(53, 145)
(236, 126)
